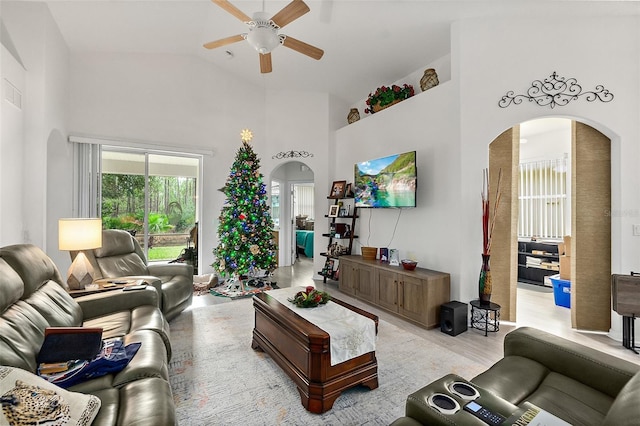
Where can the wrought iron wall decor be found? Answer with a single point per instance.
(292, 154)
(555, 91)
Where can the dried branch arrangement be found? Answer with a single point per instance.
(488, 219)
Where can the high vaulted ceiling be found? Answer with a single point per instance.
(367, 43)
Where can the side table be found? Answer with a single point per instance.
(107, 285)
(485, 316)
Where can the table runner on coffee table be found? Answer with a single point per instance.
(351, 334)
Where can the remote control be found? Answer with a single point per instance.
(484, 414)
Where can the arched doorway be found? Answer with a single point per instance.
(292, 186)
(590, 260)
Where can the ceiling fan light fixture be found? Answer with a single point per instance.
(263, 34)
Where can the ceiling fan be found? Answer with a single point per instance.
(263, 32)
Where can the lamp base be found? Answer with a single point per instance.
(80, 272)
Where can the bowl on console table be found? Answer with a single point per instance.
(409, 265)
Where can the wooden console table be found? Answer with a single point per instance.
(416, 295)
(302, 350)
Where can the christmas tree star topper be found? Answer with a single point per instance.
(246, 135)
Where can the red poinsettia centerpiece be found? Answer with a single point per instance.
(310, 298)
(385, 96)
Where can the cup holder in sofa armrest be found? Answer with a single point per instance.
(441, 402)
(464, 390)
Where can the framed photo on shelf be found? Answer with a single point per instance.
(333, 210)
(348, 192)
(337, 189)
(384, 254)
(394, 257)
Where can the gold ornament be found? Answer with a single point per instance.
(254, 249)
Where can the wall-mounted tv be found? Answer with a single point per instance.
(386, 182)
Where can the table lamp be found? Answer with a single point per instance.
(76, 235)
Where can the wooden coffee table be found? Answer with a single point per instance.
(302, 350)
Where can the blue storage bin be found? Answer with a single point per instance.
(561, 291)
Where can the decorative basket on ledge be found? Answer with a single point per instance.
(369, 253)
(377, 107)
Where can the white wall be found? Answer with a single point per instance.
(171, 100)
(45, 56)
(488, 64)
(11, 149)
(302, 122)
(429, 233)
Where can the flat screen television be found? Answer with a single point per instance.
(386, 182)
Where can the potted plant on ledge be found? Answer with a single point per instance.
(385, 96)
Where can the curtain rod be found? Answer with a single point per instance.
(95, 140)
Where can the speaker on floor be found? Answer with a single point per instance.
(453, 318)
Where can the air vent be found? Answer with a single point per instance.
(12, 94)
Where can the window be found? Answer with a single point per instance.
(543, 199)
(151, 195)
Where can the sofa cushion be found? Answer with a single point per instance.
(122, 265)
(21, 336)
(115, 242)
(625, 410)
(29, 399)
(571, 400)
(11, 286)
(147, 402)
(512, 378)
(33, 266)
(56, 306)
(145, 317)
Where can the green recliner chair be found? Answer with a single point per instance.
(122, 257)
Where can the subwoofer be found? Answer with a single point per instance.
(453, 318)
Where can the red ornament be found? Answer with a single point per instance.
(242, 216)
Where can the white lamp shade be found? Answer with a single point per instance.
(79, 234)
(264, 40)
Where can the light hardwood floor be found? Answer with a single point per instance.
(535, 308)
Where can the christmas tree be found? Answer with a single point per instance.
(245, 226)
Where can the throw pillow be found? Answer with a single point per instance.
(29, 399)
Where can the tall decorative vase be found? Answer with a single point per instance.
(484, 283)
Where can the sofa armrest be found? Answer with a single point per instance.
(99, 304)
(171, 269)
(406, 421)
(595, 369)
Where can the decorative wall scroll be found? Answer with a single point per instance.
(555, 91)
(292, 154)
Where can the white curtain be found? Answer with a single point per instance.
(304, 200)
(86, 180)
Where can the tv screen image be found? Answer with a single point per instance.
(386, 182)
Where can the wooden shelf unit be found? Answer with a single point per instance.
(353, 216)
(415, 296)
(547, 255)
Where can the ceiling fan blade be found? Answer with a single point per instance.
(232, 10)
(302, 47)
(265, 63)
(290, 13)
(223, 41)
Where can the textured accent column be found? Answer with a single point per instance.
(504, 153)
(591, 229)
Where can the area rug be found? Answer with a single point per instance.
(217, 379)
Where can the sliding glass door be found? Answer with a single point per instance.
(153, 196)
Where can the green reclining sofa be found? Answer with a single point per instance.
(573, 382)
